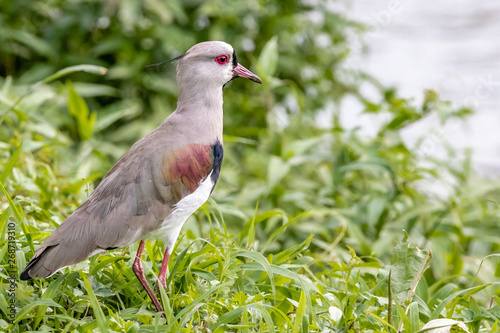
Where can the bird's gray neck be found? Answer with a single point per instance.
(207, 97)
(202, 105)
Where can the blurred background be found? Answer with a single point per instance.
(449, 46)
(359, 131)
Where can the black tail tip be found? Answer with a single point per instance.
(25, 275)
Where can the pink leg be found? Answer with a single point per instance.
(163, 271)
(139, 272)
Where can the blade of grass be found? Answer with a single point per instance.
(229, 317)
(105, 263)
(19, 218)
(244, 319)
(381, 320)
(4, 217)
(48, 294)
(440, 307)
(198, 302)
(24, 311)
(167, 308)
(256, 256)
(98, 70)
(10, 165)
(94, 303)
(413, 317)
(389, 291)
(267, 318)
(301, 310)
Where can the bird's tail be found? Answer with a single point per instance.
(51, 258)
(69, 244)
(35, 267)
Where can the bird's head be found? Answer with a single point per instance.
(211, 64)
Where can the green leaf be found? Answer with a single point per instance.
(436, 313)
(301, 310)
(403, 317)
(277, 169)
(80, 111)
(267, 318)
(382, 321)
(196, 304)
(48, 294)
(10, 164)
(268, 59)
(254, 221)
(4, 218)
(167, 308)
(259, 258)
(92, 69)
(286, 254)
(407, 266)
(37, 44)
(41, 302)
(413, 317)
(94, 303)
(104, 263)
(115, 112)
(375, 210)
(251, 229)
(229, 317)
(19, 218)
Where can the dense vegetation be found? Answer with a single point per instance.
(312, 227)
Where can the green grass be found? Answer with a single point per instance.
(305, 225)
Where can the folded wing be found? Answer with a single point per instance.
(131, 201)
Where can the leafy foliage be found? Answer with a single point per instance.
(306, 220)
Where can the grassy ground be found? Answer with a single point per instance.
(304, 233)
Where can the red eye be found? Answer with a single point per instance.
(222, 59)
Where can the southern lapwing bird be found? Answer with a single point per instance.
(160, 181)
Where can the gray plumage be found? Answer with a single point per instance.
(139, 197)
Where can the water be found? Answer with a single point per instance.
(451, 46)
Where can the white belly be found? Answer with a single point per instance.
(171, 226)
